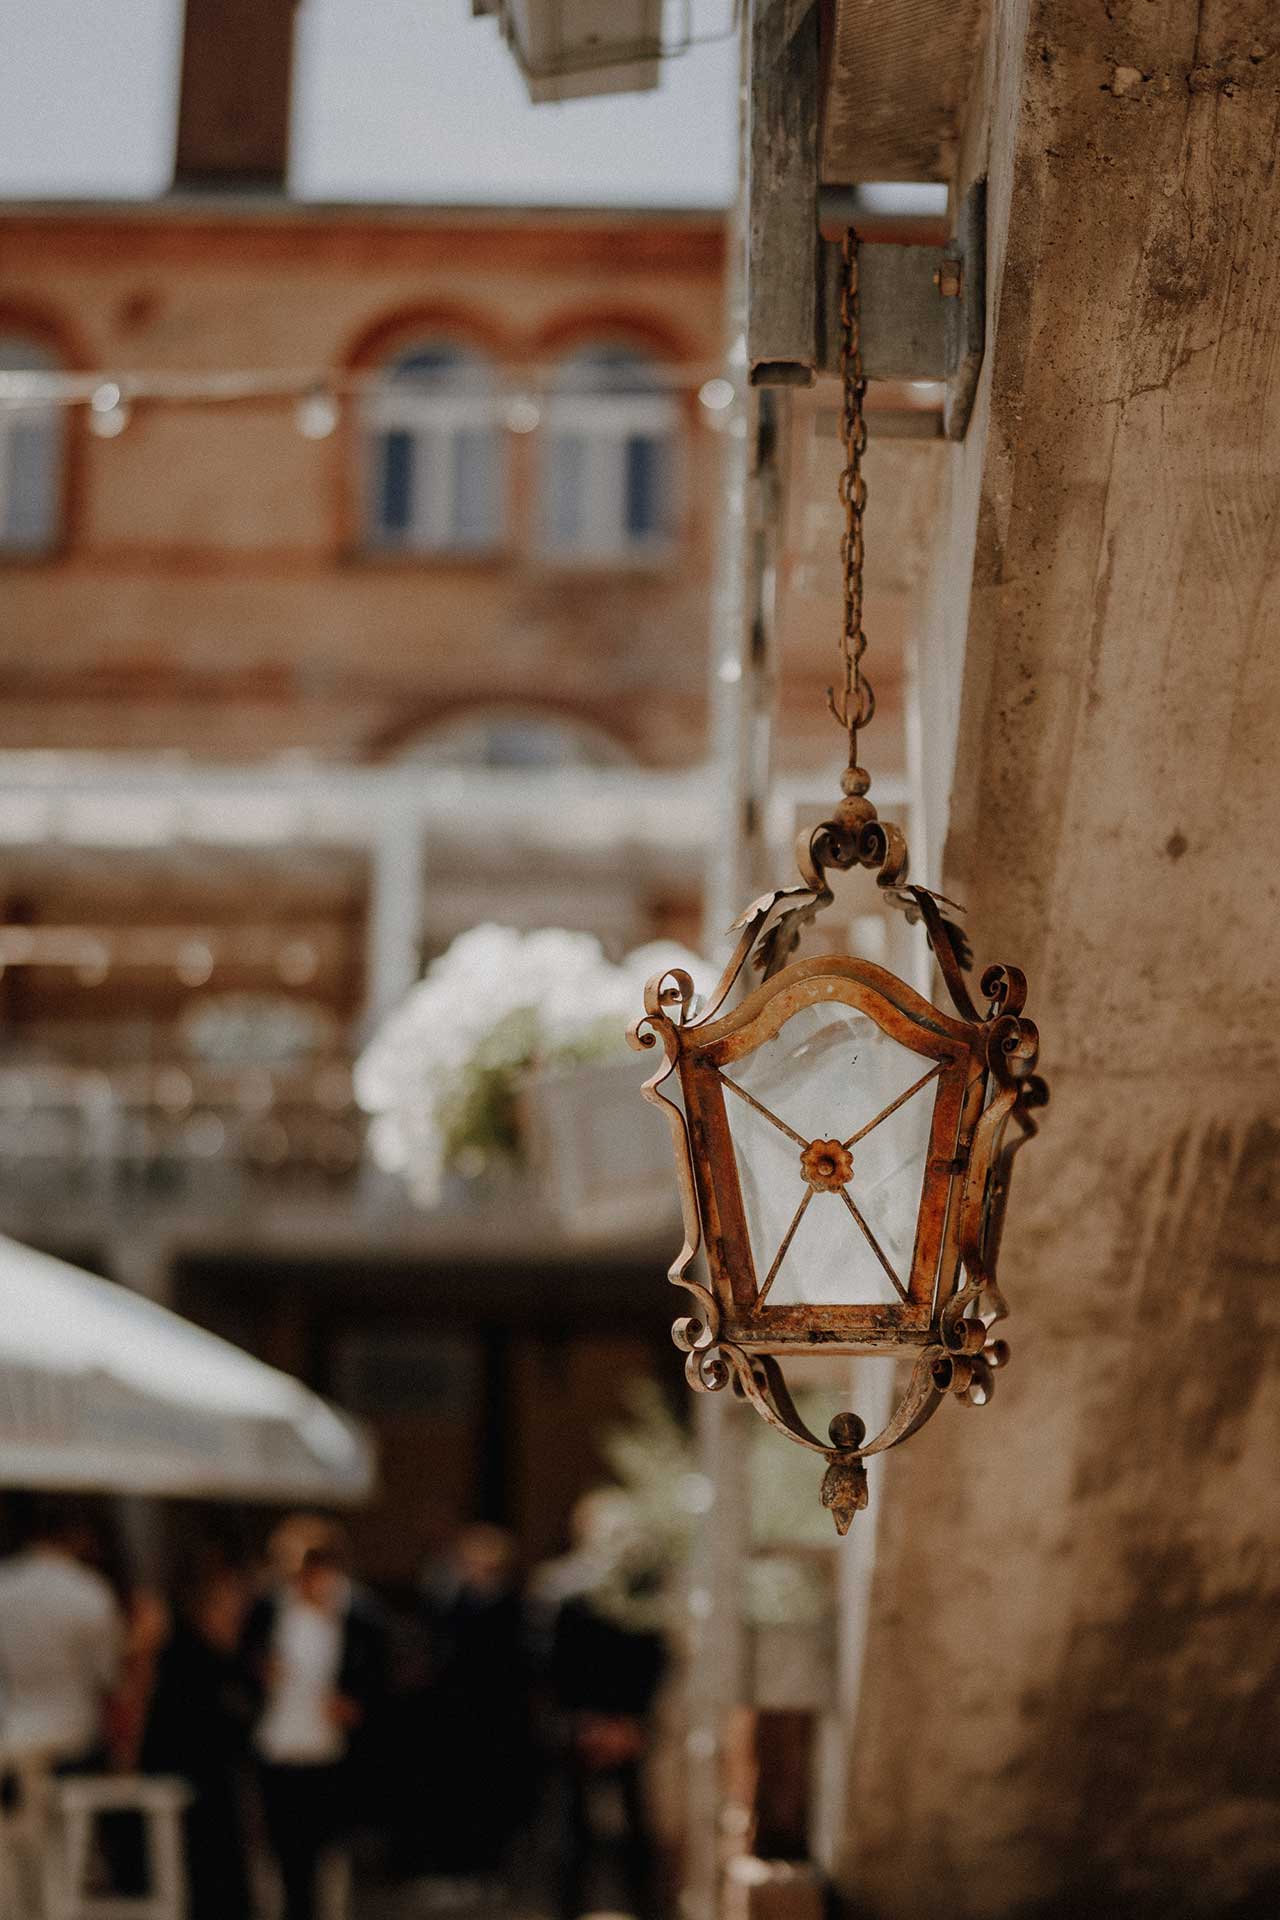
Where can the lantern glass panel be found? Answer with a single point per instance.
(828, 1074)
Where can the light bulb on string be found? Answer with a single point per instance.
(316, 415)
(194, 964)
(109, 411)
(173, 1090)
(297, 963)
(523, 413)
(716, 401)
(95, 965)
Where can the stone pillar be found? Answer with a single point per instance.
(1068, 1702)
(394, 917)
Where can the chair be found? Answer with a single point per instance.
(80, 1802)
(24, 1827)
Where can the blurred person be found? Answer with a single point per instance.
(317, 1648)
(413, 1744)
(202, 1710)
(480, 1759)
(289, 1542)
(62, 1644)
(601, 1526)
(604, 1665)
(148, 1623)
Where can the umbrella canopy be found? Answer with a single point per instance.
(102, 1390)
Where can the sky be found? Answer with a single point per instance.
(393, 100)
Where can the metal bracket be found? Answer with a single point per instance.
(923, 315)
(904, 314)
(923, 308)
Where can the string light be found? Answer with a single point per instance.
(108, 411)
(317, 415)
(95, 967)
(297, 963)
(191, 955)
(195, 964)
(315, 393)
(523, 413)
(173, 1090)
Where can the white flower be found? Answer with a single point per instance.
(441, 1075)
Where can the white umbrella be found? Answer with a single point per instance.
(103, 1390)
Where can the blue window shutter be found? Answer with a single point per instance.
(644, 508)
(395, 482)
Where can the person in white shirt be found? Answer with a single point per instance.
(318, 1651)
(61, 1647)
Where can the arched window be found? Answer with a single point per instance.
(30, 456)
(609, 458)
(435, 454)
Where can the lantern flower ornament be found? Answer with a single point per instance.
(843, 1147)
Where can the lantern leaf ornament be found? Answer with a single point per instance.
(843, 1147)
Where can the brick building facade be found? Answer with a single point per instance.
(213, 580)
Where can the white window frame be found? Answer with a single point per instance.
(435, 418)
(606, 422)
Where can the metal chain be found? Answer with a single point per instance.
(855, 703)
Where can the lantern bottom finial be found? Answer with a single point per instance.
(844, 1490)
(844, 1486)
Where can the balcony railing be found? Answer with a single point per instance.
(175, 1128)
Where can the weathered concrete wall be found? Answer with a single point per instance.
(1070, 1695)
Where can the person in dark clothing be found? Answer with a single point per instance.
(478, 1700)
(318, 1649)
(603, 1667)
(197, 1726)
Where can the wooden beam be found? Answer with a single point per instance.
(898, 80)
(782, 194)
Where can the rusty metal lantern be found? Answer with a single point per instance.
(844, 1147)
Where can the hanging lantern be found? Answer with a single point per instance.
(843, 1147)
